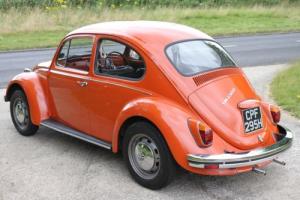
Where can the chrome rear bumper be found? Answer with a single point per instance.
(251, 158)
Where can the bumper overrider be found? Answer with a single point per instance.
(250, 158)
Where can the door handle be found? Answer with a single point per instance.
(82, 83)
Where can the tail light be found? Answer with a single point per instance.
(206, 134)
(202, 134)
(275, 113)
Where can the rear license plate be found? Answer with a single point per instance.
(252, 119)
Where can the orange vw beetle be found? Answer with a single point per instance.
(161, 93)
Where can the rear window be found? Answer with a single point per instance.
(196, 56)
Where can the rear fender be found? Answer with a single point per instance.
(31, 84)
(169, 117)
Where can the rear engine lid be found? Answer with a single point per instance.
(230, 106)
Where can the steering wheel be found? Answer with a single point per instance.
(114, 52)
(109, 61)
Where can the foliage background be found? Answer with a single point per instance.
(5, 4)
(43, 23)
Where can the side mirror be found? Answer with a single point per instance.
(61, 55)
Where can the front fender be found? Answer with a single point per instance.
(169, 117)
(32, 85)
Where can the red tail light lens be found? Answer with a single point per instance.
(275, 113)
(276, 116)
(206, 135)
(211, 166)
(202, 134)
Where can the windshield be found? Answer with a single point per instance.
(195, 56)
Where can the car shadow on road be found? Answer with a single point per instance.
(96, 159)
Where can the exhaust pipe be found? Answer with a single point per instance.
(259, 171)
(279, 162)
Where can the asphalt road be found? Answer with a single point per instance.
(51, 165)
(246, 50)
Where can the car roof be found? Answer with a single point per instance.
(147, 32)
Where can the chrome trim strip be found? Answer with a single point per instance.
(54, 125)
(233, 160)
(83, 75)
(96, 79)
(121, 85)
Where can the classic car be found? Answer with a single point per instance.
(165, 95)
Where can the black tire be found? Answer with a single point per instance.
(163, 166)
(24, 127)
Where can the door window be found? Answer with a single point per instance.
(63, 54)
(118, 59)
(76, 54)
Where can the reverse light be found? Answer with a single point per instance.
(275, 113)
(202, 134)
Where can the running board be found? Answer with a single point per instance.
(57, 126)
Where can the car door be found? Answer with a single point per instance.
(68, 80)
(117, 80)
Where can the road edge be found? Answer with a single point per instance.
(214, 36)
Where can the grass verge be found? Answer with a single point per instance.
(36, 27)
(286, 89)
(30, 40)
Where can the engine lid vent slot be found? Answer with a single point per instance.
(202, 78)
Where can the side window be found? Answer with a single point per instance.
(134, 55)
(112, 46)
(117, 59)
(63, 54)
(76, 54)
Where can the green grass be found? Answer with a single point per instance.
(32, 28)
(27, 40)
(5, 4)
(286, 89)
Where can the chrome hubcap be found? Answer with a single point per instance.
(144, 156)
(21, 113)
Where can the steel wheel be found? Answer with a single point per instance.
(144, 156)
(147, 156)
(20, 113)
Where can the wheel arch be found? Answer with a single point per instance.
(32, 87)
(10, 90)
(169, 118)
(128, 122)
